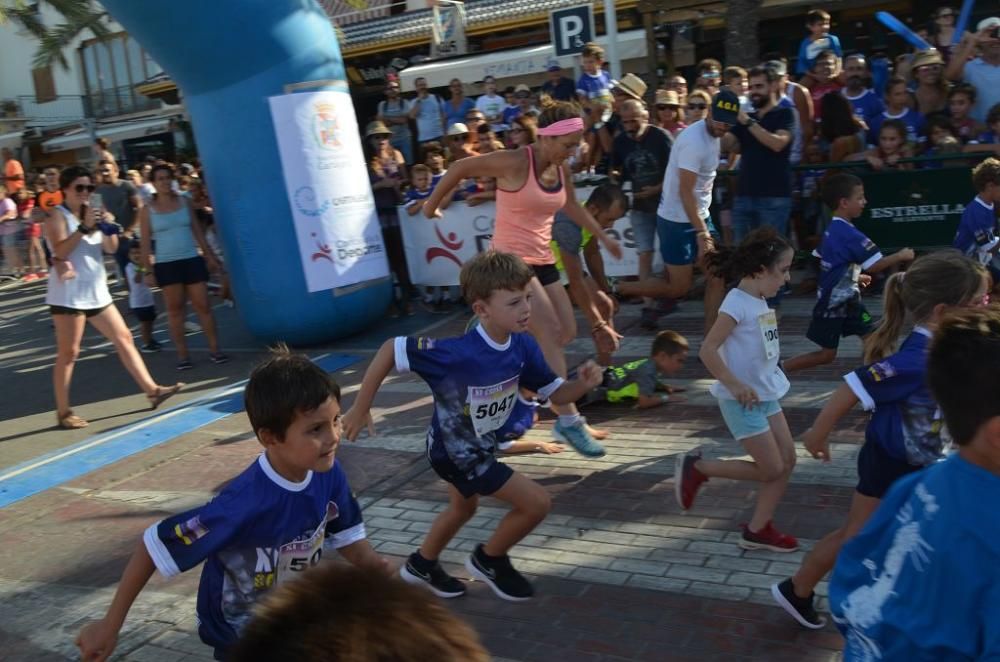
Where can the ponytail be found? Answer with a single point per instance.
(759, 251)
(882, 341)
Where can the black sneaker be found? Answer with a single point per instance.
(151, 347)
(218, 358)
(648, 318)
(499, 575)
(184, 365)
(801, 609)
(434, 578)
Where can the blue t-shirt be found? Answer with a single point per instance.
(562, 91)
(593, 86)
(976, 236)
(867, 106)
(905, 422)
(809, 49)
(413, 194)
(511, 113)
(475, 383)
(454, 115)
(844, 253)
(262, 529)
(921, 582)
(913, 120)
(428, 117)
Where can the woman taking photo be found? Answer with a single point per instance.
(80, 235)
(169, 223)
(533, 183)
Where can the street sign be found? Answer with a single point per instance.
(570, 28)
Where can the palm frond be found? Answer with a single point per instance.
(55, 41)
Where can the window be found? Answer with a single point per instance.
(45, 86)
(112, 68)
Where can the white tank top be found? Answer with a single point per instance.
(89, 290)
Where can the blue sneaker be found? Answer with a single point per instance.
(576, 435)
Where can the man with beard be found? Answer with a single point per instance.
(764, 140)
(983, 72)
(639, 155)
(682, 220)
(867, 106)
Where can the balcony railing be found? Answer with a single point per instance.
(68, 108)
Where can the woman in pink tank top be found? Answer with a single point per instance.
(533, 183)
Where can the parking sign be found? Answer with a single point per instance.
(570, 28)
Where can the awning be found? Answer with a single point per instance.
(113, 132)
(11, 140)
(513, 63)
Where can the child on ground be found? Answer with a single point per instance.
(741, 351)
(844, 253)
(904, 432)
(268, 525)
(976, 236)
(343, 614)
(918, 582)
(640, 381)
(818, 40)
(140, 298)
(475, 380)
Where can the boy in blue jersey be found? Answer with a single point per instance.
(844, 253)
(271, 523)
(595, 83)
(475, 380)
(976, 236)
(922, 580)
(818, 40)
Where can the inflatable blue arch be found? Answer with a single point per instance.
(228, 57)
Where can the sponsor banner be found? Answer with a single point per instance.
(326, 181)
(436, 250)
(448, 29)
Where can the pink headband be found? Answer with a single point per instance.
(562, 127)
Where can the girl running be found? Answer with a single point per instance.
(741, 351)
(904, 433)
(533, 183)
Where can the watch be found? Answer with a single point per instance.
(83, 229)
(750, 122)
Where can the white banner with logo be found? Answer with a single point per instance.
(448, 29)
(328, 189)
(436, 250)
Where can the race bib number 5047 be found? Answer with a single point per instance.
(490, 406)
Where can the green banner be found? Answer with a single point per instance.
(915, 208)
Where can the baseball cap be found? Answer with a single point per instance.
(777, 66)
(725, 107)
(991, 22)
(522, 88)
(553, 67)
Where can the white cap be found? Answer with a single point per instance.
(990, 22)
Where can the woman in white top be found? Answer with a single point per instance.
(741, 351)
(80, 235)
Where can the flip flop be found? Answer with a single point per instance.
(162, 393)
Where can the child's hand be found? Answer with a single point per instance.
(354, 420)
(432, 213)
(817, 445)
(864, 280)
(590, 374)
(744, 394)
(906, 255)
(97, 640)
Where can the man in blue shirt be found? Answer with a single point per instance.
(867, 106)
(558, 86)
(426, 109)
(921, 581)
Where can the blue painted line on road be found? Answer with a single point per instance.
(57, 467)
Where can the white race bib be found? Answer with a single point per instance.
(490, 406)
(299, 556)
(768, 323)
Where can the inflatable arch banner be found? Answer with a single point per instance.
(265, 87)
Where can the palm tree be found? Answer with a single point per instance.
(79, 16)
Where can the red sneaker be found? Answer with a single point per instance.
(29, 277)
(687, 479)
(768, 538)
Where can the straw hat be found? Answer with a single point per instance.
(667, 98)
(924, 58)
(377, 128)
(631, 85)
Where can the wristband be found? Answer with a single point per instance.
(109, 229)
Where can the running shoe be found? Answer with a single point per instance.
(433, 576)
(499, 575)
(768, 538)
(578, 437)
(648, 318)
(687, 479)
(185, 364)
(218, 358)
(801, 609)
(29, 277)
(151, 347)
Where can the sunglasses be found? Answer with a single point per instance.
(697, 106)
(80, 188)
(663, 106)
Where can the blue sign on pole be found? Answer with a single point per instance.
(571, 28)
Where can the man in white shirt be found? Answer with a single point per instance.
(491, 105)
(983, 73)
(683, 223)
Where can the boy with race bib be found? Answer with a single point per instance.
(474, 379)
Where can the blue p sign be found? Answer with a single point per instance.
(571, 28)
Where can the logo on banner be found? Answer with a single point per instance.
(451, 242)
(326, 128)
(323, 251)
(448, 30)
